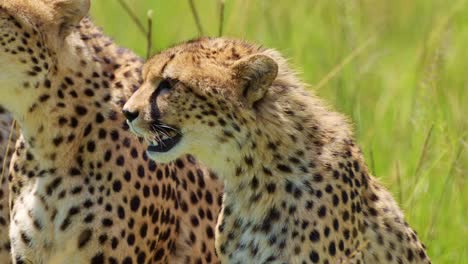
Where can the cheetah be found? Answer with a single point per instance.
(82, 188)
(296, 188)
(7, 143)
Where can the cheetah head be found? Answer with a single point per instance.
(200, 98)
(32, 36)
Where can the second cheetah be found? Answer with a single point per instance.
(297, 189)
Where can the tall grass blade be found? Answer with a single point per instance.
(344, 62)
(444, 196)
(424, 151)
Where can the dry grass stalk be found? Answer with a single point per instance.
(133, 16)
(196, 17)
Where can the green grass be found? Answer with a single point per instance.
(406, 92)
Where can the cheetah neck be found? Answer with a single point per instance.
(293, 138)
(78, 91)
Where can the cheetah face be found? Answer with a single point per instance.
(167, 135)
(161, 137)
(189, 104)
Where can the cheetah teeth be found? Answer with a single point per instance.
(162, 138)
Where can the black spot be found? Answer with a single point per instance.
(254, 183)
(159, 254)
(271, 187)
(284, 168)
(91, 146)
(135, 203)
(26, 240)
(210, 232)
(81, 110)
(87, 130)
(120, 161)
(53, 185)
(74, 171)
(84, 238)
(318, 177)
(409, 255)
(344, 196)
(322, 212)
(314, 236)
(194, 220)
(47, 83)
(141, 258)
(143, 230)
(44, 98)
(120, 212)
(57, 140)
(117, 186)
(356, 166)
(69, 81)
(314, 257)
(98, 259)
(131, 239)
(272, 216)
(249, 161)
(107, 222)
(332, 249)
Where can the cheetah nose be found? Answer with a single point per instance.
(130, 115)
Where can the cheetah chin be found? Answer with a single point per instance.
(165, 144)
(166, 149)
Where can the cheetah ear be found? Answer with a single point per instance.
(69, 13)
(256, 73)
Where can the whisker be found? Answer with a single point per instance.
(157, 136)
(169, 127)
(158, 131)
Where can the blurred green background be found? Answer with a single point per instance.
(398, 68)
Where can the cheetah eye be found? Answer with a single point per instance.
(164, 87)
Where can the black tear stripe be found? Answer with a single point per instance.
(155, 113)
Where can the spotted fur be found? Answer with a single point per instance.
(7, 144)
(82, 189)
(297, 189)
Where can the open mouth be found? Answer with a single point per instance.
(167, 138)
(165, 144)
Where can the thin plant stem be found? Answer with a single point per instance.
(221, 17)
(149, 35)
(196, 17)
(133, 16)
